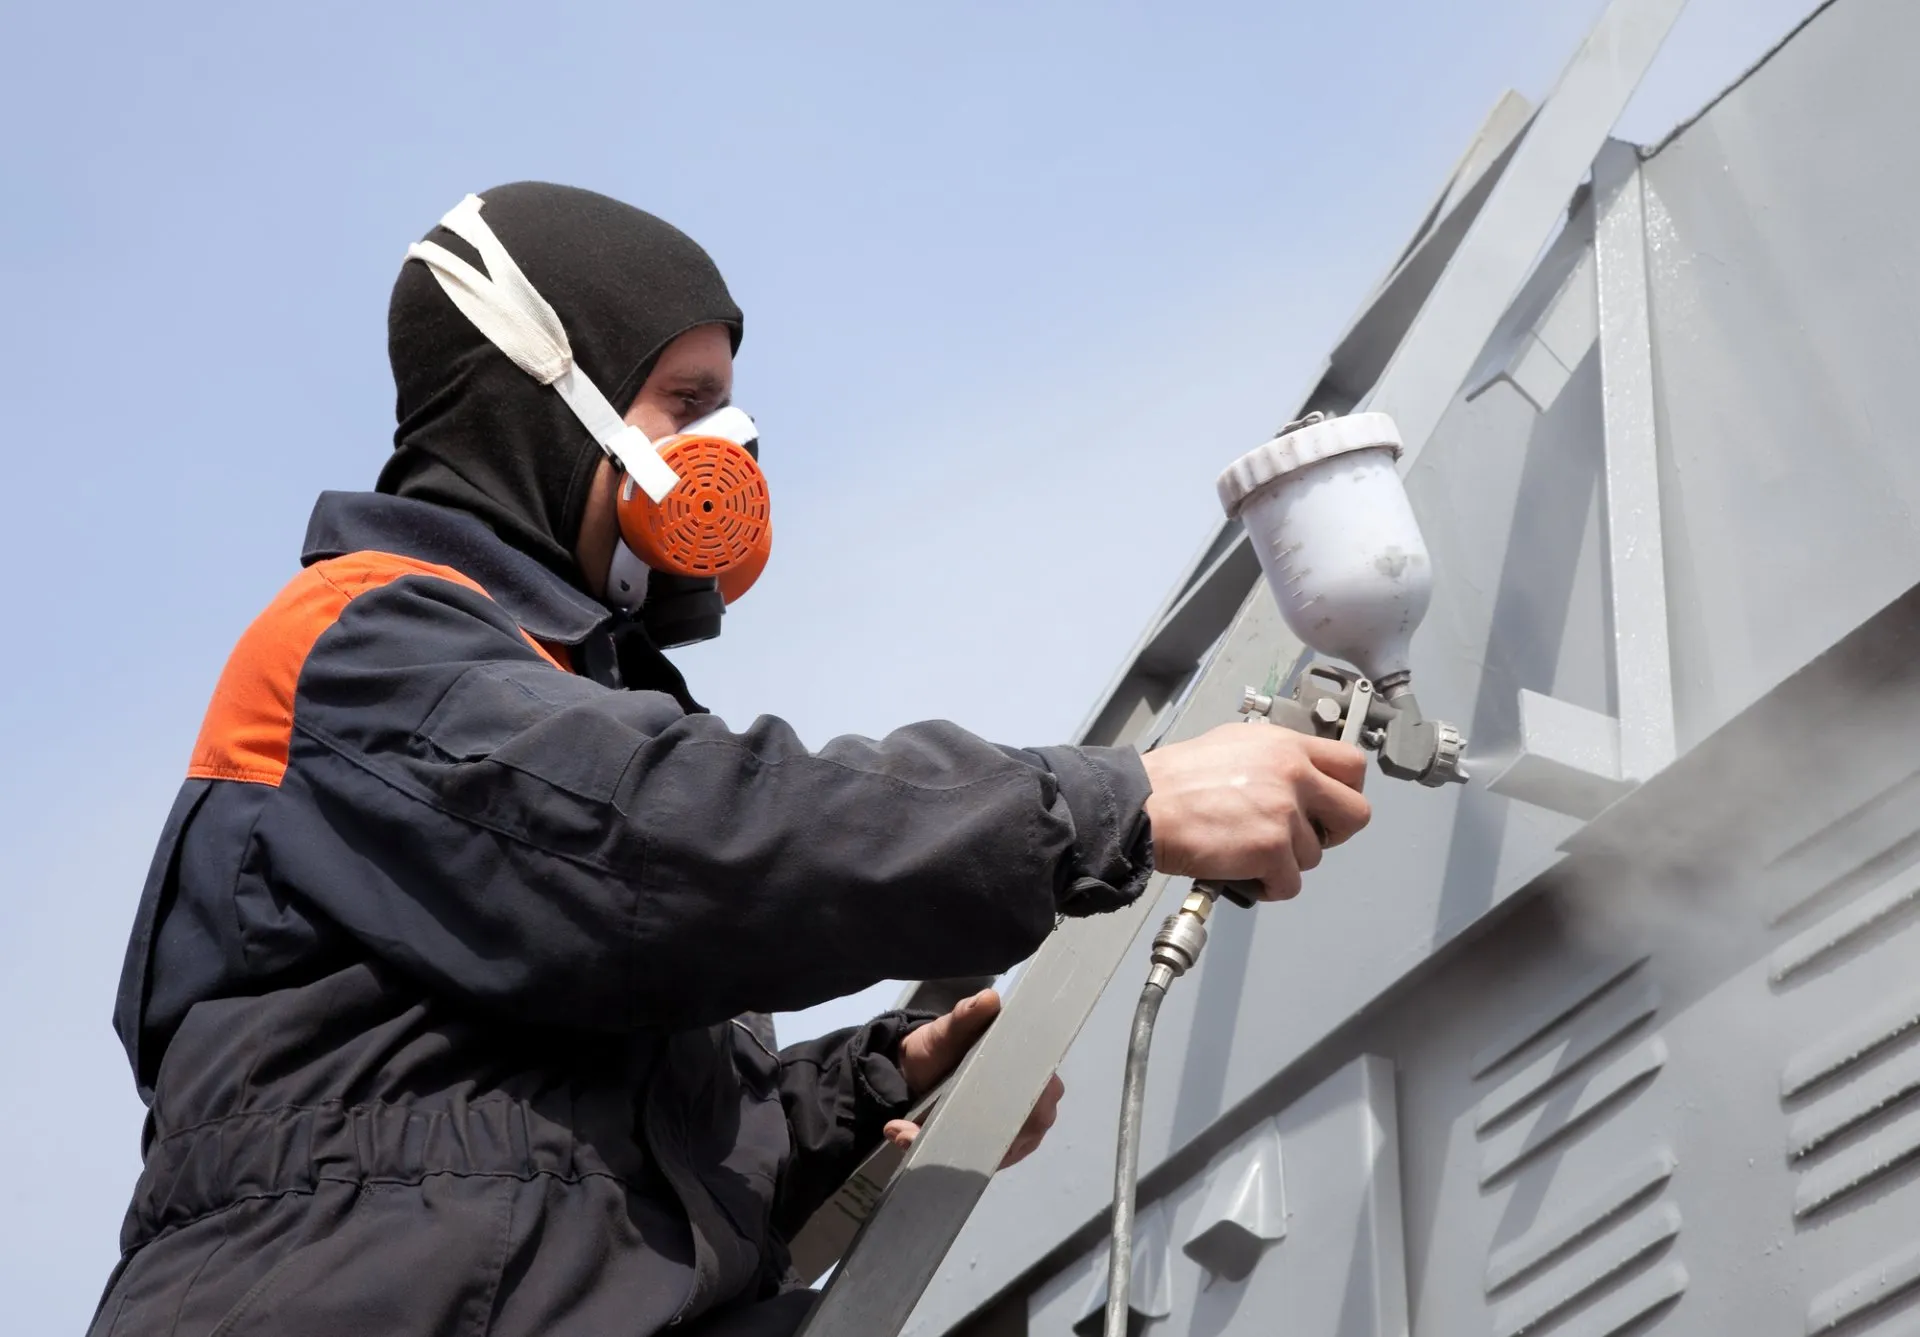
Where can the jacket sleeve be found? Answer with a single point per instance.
(579, 855)
(839, 1091)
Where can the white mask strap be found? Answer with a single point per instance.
(504, 306)
(626, 579)
(729, 424)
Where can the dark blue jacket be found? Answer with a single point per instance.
(446, 990)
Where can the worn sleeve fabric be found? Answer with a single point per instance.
(569, 853)
(839, 1091)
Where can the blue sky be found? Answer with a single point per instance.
(1019, 280)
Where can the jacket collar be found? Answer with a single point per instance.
(538, 599)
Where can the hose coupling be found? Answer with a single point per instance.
(1178, 943)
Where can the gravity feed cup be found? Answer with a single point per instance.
(1337, 540)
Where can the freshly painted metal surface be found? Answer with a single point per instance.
(1636, 551)
(1568, 758)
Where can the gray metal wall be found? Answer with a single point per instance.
(1470, 1083)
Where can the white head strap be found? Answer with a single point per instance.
(506, 308)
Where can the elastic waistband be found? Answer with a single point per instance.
(194, 1172)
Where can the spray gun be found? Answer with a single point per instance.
(1342, 553)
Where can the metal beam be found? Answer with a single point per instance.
(1138, 693)
(1366, 346)
(1499, 250)
(1636, 559)
(1498, 133)
(1568, 761)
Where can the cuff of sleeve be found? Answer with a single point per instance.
(1106, 790)
(874, 1056)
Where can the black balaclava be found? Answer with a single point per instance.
(480, 435)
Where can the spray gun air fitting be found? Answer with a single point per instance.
(1177, 945)
(1337, 541)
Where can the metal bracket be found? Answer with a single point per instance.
(1636, 558)
(1572, 760)
(1569, 759)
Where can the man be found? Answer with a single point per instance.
(447, 988)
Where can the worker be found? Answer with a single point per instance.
(448, 989)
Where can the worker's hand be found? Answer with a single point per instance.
(1241, 803)
(929, 1053)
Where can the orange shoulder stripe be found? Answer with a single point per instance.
(249, 724)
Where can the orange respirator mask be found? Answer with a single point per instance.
(695, 520)
(714, 525)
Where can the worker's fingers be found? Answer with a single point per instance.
(1032, 1133)
(900, 1132)
(932, 1051)
(1280, 881)
(1343, 761)
(1307, 842)
(1253, 804)
(1046, 1111)
(1023, 1146)
(955, 1033)
(1339, 809)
